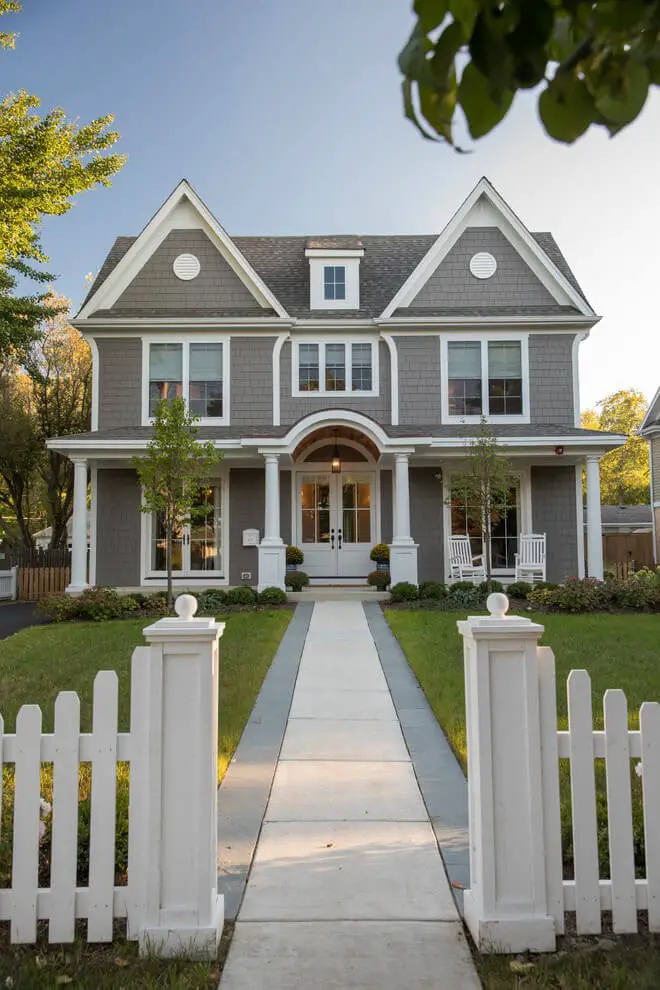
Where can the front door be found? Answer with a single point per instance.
(336, 522)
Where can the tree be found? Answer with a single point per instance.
(594, 61)
(20, 453)
(174, 473)
(44, 162)
(624, 472)
(483, 485)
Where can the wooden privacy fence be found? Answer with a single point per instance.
(172, 811)
(519, 895)
(41, 572)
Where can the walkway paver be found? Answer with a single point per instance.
(347, 888)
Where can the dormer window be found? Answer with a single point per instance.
(334, 272)
(334, 282)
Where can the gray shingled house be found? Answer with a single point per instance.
(650, 429)
(341, 377)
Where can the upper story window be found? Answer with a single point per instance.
(334, 282)
(194, 370)
(337, 367)
(485, 378)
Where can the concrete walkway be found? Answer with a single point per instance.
(347, 888)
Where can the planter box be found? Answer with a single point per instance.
(382, 565)
(292, 567)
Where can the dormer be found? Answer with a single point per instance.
(334, 272)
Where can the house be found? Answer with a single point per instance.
(43, 536)
(650, 429)
(627, 535)
(342, 378)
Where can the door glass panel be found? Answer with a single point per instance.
(159, 545)
(315, 509)
(466, 520)
(205, 532)
(356, 509)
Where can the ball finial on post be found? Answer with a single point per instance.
(185, 606)
(497, 604)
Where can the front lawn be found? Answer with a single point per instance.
(35, 665)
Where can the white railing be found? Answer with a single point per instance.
(518, 897)
(169, 900)
(9, 584)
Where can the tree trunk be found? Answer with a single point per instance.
(170, 597)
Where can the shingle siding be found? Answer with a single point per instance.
(251, 387)
(293, 408)
(386, 506)
(426, 522)
(246, 511)
(554, 512)
(453, 284)
(419, 380)
(655, 467)
(551, 378)
(156, 287)
(120, 382)
(118, 528)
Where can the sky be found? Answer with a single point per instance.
(286, 117)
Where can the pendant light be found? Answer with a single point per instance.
(336, 461)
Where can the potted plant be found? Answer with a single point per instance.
(381, 554)
(379, 579)
(294, 556)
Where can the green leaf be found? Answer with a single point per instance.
(413, 59)
(446, 49)
(489, 50)
(482, 110)
(431, 13)
(465, 13)
(653, 66)
(622, 102)
(438, 106)
(566, 108)
(410, 111)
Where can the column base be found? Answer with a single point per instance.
(535, 933)
(272, 565)
(75, 589)
(181, 941)
(403, 562)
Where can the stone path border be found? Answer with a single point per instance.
(245, 789)
(438, 772)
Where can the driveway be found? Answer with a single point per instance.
(19, 615)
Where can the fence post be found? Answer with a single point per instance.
(178, 909)
(14, 582)
(506, 906)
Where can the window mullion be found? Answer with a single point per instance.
(185, 373)
(484, 375)
(322, 381)
(348, 365)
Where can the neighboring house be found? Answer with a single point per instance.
(650, 429)
(342, 378)
(627, 534)
(42, 537)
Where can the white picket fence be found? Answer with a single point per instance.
(172, 811)
(518, 897)
(9, 584)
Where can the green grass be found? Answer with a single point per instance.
(35, 665)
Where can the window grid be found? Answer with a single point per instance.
(308, 367)
(361, 370)
(467, 520)
(335, 368)
(334, 282)
(469, 395)
(190, 370)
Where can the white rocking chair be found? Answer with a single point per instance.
(530, 560)
(463, 566)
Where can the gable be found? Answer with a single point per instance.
(452, 284)
(216, 289)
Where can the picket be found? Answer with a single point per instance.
(649, 721)
(583, 804)
(550, 784)
(27, 807)
(64, 852)
(138, 786)
(619, 812)
(104, 801)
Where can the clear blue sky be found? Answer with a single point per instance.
(286, 117)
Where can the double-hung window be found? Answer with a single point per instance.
(191, 370)
(334, 282)
(337, 367)
(485, 378)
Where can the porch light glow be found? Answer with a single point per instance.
(335, 463)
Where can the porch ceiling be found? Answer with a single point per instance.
(338, 433)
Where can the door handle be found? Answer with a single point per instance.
(332, 539)
(339, 538)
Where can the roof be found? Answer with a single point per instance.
(652, 419)
(632, 516)
(388, 262)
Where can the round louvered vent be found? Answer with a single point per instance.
(186, 266)
(483, 265)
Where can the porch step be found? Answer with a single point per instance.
(337, 582)
(334, 593)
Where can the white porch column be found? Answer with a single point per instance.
(594, 527)
(403, 549)
(79, 528)
(272, 552)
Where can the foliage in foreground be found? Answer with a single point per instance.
(639, 591)
(595, 61)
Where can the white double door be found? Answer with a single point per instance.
(336, 522)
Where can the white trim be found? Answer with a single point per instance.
(93, 516)
(513, 229)
(334, 252)
(317, 299)
(394, 377)
(484, 339)
(186, 339)
(153, 235)
(277, 356)
(426, 324)
(650, 409)
(93, 346)
(579, 520)
(575, 360)
(653, 502)
(322, 343)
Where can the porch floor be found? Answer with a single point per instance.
(347, 887)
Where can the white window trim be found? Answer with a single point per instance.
(322, 343)
(483, 339)
(317, 265)
(185, 340)
(157, 579)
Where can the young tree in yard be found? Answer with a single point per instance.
(483, 485)
(174, 473)
(594, 62)
(624, 472)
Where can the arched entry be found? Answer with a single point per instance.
(336, 501)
